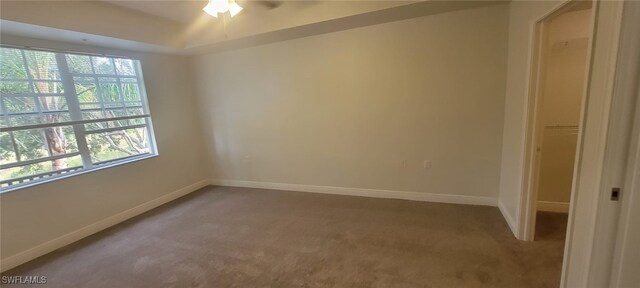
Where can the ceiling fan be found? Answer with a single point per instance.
(215, 7)
(260, 4)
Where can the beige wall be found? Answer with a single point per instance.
(348, 108)
(32, 216)
(566, 67)
(556, 167)
(563, 89)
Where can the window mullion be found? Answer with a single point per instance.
(74, 109)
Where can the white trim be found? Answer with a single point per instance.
(531, 128)
(626, 251)
(509, 218)
(550, 206)
(590, 175)
(623, 272)
(374, 193)
(532, 125)
(51, 245)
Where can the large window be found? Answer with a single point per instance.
(63, 113)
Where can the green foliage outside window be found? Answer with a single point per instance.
(32, 93)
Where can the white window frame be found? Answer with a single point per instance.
(78, 124)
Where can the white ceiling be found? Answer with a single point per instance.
(186, 11)
(181, 11)
(201, 29)
(181, 25)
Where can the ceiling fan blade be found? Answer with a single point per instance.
(260, 4)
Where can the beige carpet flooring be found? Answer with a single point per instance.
(239, 237)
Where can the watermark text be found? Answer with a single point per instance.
(24, 280)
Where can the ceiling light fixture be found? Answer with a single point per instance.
(215, 7)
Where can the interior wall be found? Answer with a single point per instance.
(563, 85)
(34, 215)
(562, 91)
(365, 107)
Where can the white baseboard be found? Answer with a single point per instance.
(375, 193)
(49, 246)
(549, 206)
(507, 216)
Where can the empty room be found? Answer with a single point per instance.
(362, 143)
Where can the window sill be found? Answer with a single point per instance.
(72, 174)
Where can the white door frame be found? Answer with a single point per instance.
(586, 255)
(618, 152)
(533, 136)
(588, 186)
(627, 249)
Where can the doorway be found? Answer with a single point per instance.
(561, 66)
(564, 67)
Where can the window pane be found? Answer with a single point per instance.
(20, 104)
(7, 155)
(12, 64)
(124, 66)
(30, 110)
(86, 89)
(112, 113)
(48, 87)
(114, 124)
(103, 65)
(26, 170)
(14, 87)
(50, 167)
(108, 89)
(130, 89)
(79, 64)
(135, 111)
(33, 119)
(93, 114)
(53, 103)
(43, 142)
(61, 140)
(31, 144)
(137, 121)
(42, 65)
(118, 144)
